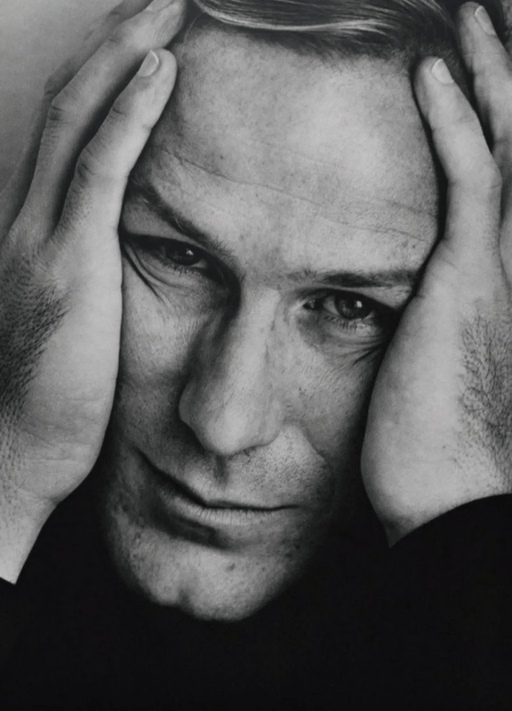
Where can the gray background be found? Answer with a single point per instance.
(35, 37)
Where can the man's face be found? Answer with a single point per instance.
(272, 232)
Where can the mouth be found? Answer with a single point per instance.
(189, 504)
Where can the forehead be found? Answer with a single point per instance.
(260, 142)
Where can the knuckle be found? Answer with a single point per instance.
(491, 178)
(119, 38)
(62, 107)
(125, 35)
(127, 108)
(88, 166)
(467, 119)
(94, 28)
(120, 111)
(57, 81)
(458, 120)
(51, 87)
(117, 14)
(484, 173)
(57, 114)
(484, 180)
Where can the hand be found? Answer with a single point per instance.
(60, 276)
(14, 194)
(439, 432)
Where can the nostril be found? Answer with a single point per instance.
(185, 436)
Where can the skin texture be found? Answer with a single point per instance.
(60, 306)
(245, 377)
(439, 428)
(294, 169)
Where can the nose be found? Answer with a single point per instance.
(231, 400)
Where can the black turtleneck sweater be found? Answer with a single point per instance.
(426, 625)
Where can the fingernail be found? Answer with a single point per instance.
(159, 5)
(149, 65)
(485, 21)
(441, 72)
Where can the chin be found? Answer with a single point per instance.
(211, 589)
(203, 582)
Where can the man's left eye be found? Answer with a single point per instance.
(349, 307)
(353, 314)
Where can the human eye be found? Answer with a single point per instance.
(353, 313)
(171, 256)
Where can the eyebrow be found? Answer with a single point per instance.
(156, 203)
(356, 279)
(382, 278)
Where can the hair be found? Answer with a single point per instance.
(404, 30)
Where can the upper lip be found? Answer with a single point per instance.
(208, 503)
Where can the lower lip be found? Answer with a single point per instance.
(180, 504)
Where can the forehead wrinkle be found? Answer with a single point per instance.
(172, 152)
(239, 181)
(368, 211)
(257, 117)
(277, 147)
(373, 228)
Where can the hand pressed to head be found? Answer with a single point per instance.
(273, 232)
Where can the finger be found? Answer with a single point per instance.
(474, 181)
(491, 68)
(127, 9)
(98, 33)
(15, 192)
(81, 107)
(93, 205)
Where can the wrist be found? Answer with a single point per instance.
(21, 521)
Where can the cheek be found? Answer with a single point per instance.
(328, 390)
(333, 396)
(158, 339)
